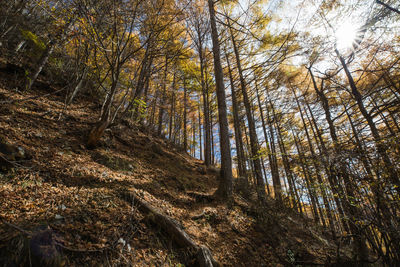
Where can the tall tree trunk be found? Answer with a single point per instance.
(307, 178)
(162, 99)
(172, 110)
(185, 143)
(380, 145)
(254, 146)
(204, 92)
(200, 136)
(351, 211)
(237, 127)
(194, 137)
(289, 173)
(274, 173)
(317, 136)
(225, 186)
(384, 215)
(210, 111)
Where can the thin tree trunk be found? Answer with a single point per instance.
(353, 212)
(206, 125)
(42, 62)
(307, 178)
(172, 111)
(275, 177)
(254, 146)
(381, 147)
(200, 136)
(236, 124)
(162, 99)
(185, 144)
(78, 86)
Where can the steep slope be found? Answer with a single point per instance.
(77, 193)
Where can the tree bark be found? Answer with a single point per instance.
(162, 99)
(225, 185)
(237, 127)
(254, 146)
(380, 145)
(351, 211)
(185, 143)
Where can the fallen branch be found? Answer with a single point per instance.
(201, 253)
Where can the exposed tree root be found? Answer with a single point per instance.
(201, 254)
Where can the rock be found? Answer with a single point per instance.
(43, 248)
(38, 249)
(9, 154)
(121, 241)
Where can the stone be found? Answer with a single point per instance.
(10, 154)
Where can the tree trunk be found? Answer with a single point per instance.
(172, 110)
(237, 127)
(185, 143)
(78, 86)
(380, 145)
(200, 136)
(162, 99)
(308, 178)
(254, 146)
(225, 186)
(274, 173)
(350, 210)
(202, 254)
(39, 67)
(204, 91)
(105, 119)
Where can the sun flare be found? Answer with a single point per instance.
(346, 35)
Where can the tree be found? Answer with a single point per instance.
(225, 186)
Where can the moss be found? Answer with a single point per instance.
(30, 36)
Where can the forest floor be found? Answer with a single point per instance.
(77, 193)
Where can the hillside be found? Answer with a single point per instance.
(79, 194)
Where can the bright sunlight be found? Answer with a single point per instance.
(346, 35)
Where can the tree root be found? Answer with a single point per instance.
(201, 254)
